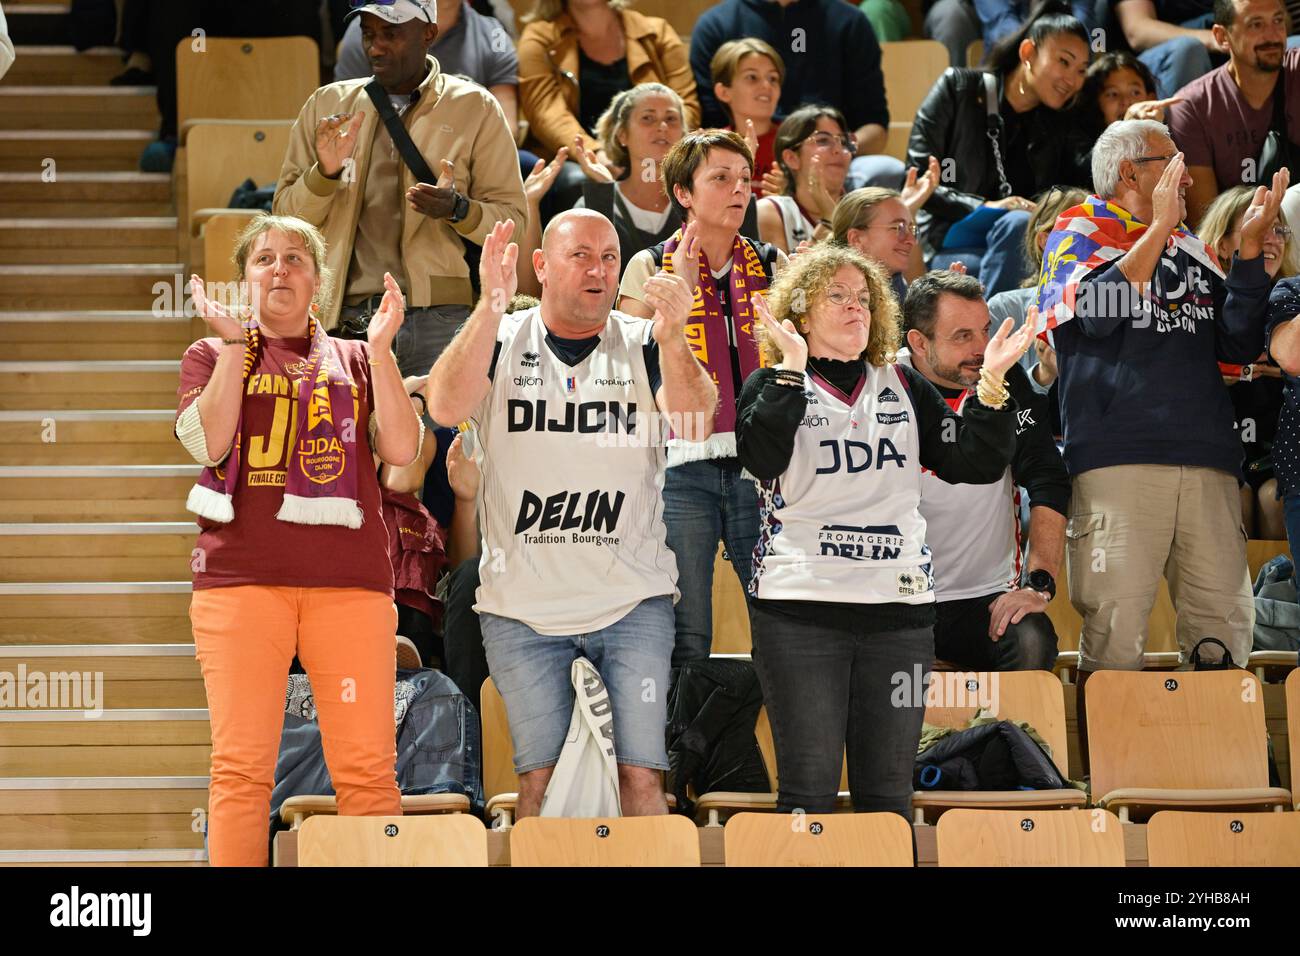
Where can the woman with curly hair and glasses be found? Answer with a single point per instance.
(842, 591)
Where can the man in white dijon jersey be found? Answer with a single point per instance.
(991, 608)
(564, 400)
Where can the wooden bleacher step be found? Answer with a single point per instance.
(95, 612)
(42, 23)
(100, 551)
(89, 336)
(26, 150)
(78, 107)
(87, 815)
(117, 191)
(90, 287)
(88, 384)
(103, 239)
(103, 858)
(162, 742)
(103, 436)
(134, 676)
(33, 493)
(63, 65)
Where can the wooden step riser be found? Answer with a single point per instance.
(173, 333)
(63, 68)
(63, 239)
(96, 630)
(74, 208)
(91, 499)
(107, 801)
(92, 390)
(119, 669)
(106, 111)
(46, 347)
(37, 29)
(101, 732)
(168, 452)
(135, 694)
(76, 299)
(145, 618)
(99, 831)
(71, 189)
(105, 761)
(79, 567)
(14, 287)
(87, 254)
(120, 160)
(31, 510)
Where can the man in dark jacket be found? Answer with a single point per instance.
(991, 607)
(831, 56)
(1140, 313)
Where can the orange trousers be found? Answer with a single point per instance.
(245, 639)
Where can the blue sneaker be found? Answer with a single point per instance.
(158, 156)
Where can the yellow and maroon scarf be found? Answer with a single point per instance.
(706, 331)
(320, 487)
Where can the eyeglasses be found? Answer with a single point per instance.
(1151, 159)
(842, 295)
(824, 140)
(901, 229)
(1282, 232)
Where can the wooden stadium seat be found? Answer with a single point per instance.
(244, 78)
(220, 156)
(297, 810)
(899, 134)
(615, 841)
(458, 840)
(974, 53)
(219, 234)
(833, 839)
(1035, 697)
(500, 785)
(1293, 729)
(710, 807)
(730, 612)
(1067, 663)
(1265, 664)
(1030, 838)
(910, 67)
(1179, 740)
(1183, 838)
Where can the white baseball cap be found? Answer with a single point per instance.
(396, 11)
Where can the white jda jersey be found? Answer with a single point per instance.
(571, 504)
(841, 524)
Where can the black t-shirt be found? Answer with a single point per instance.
(1015, 149)
(598, 84)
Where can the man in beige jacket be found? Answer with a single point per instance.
(344, 175)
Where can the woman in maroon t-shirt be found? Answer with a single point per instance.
(293, 553)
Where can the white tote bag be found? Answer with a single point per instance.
(585, 781)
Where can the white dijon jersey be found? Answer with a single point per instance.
(841, 523)
(571, 504)
(973, 530)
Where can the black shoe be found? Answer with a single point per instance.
(133, 77)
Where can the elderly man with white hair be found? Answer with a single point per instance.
(1140, 312)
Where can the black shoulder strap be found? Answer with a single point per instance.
(658, 253)
(397, 132)
(1279, 118)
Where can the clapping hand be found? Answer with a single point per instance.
(793, 347)
(336, 138)
(496, 268)
(1005, 348)
(218, 317)
(387, 318)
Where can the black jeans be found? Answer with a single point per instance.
(828, 690)
(961, 636)
(465, 661)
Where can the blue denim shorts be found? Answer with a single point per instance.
(531, 671)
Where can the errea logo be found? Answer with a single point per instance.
(530, 360)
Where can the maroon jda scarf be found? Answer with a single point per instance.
(321, 480)
(706, 331)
